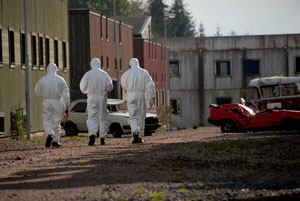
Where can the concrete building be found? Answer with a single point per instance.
(218, 69)
(149, 53)
(47, 43)
(92, 35)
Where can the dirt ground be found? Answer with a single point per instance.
(192, 164)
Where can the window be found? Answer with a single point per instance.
(101, 30)
(297, 64)
(11, 45)
(114, 92)
(106, 28)
(107, 63)
(22, 48)
(120, 32)
(64, 54)
(56, 53)
(41, 52)
(176, 106)
(163, 98)
(156, 93)
(174, 68)
(101, 59)
(223, 68)
(115, 64)
(251, 67)
(79, 107)
(1, 57)
(33, 52)
(222, 101)
(120, 64)
(1, 122)
(47, 51)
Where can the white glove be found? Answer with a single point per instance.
(152, 102)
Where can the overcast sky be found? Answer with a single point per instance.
(252, 17)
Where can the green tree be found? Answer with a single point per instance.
(105, 7)
(201, 30)
(156, 10)
(183, 24)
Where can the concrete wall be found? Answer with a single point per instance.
(47, 19)
(197, 63)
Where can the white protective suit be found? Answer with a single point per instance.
(136, 81)
(53, 89)
(96, 83)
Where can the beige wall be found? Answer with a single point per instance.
(46, 18)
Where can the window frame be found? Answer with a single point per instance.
(245, 70)
(2, 116)
(172, 64)
(178, 103)
(1, 46)
(33, 37)
(56, 52)
(297, 61)
(47, 51)
(64, 55)
(11, 48)
(41, 52)
(219, 68)
(22, 49)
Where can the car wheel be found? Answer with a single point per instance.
(227, 126)
(288, 124)
(71, 129)
(116, 130)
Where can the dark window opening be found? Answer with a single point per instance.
(106, 28)
(101, 30)
(41, 51)
(107, 62)
(1, 124)
(80, 107)
(120, 64)
(223, 68)
(47, 51)
(114, 92)
(174, 68)
(120, 32)
(297, 64)
(56, 53)
(64, 54)
(222, 101)
(251, 67)
(176, 106)
(33, 51)
(11, 44)
(22, 48)
(1, 57)
(101, 59)
(163, 97)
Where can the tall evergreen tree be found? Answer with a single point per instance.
(201, 30)
(105, 7)
(156, 10)
(183, 24)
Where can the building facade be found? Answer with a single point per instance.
(47, 43)
(150, 54)
(92, 35)
(218, 69)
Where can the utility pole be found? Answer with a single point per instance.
(117, 54)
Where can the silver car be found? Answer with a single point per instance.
(117, 119)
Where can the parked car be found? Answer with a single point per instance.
(238, 118)
(117, 119)
(276, 92)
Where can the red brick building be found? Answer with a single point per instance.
(92, 35)
(150, 54)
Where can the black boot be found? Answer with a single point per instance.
(56, 144)
(48, 141)
(92, 140)
(137, 139)
(102, 141)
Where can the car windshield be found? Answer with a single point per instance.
(247, 110)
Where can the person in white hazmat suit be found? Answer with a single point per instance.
(136, 81)
(96, 83)
(54, 90)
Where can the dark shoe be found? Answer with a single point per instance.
(48, 141)
(137, 139)
(56, 144)
(92, 140)
(102, 141)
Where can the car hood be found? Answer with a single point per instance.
(126, 114)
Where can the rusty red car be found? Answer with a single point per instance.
(240, 118)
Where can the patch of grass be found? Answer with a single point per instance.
(183, 190)
(139, 191)
(158, 196)
(76, 137)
